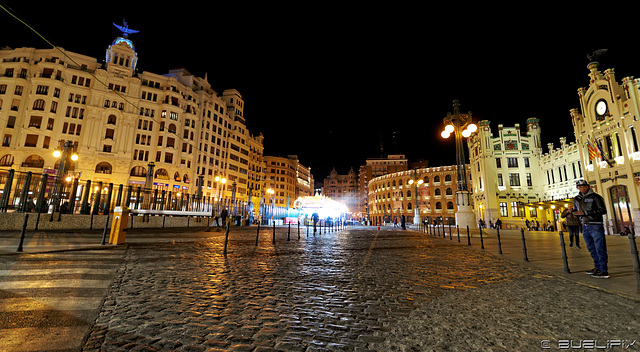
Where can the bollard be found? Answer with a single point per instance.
(636, 261)
(257, 233)
(458, 231)
(24, 229)
(226, 240)
(289, 233)
(298, 230)
(450, 233)
(481, 241)
(564, 254)
(104, 232)
(469, 236)
(524, 246)
(499, 243)
(273, 239)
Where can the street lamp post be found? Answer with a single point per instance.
(461, 126)
(415, 181)
(65, 158)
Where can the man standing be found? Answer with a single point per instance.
(589, 207)
(573, 224)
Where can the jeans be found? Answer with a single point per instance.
(574, 231)
(597, 245)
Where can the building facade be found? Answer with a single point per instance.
(606, 129)
(288, 178)
(122, 123)
(343, 189)
(395, 194)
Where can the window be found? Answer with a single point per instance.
(450, 205)
(498, 163)
(514, 179)
(500, 182)
(515, 209)
(38, 105)
(35, 121)
(529, 181)
(533, 211)
(526, 162)
(634, 138)
(6, 141)
(31, 140)
(109, 134)
(503, 210)
(512, 162)
(106, 148)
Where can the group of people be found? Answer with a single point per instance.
(403, 222)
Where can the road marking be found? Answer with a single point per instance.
(49, 303)
(69, 283)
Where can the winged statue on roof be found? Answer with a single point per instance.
(125, 29)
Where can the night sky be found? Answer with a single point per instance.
(329, 83)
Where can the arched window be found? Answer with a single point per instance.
(103, 168)
(449, 205)
(107, 103)
(437, 192)
(408, 193)
(138, 171)
(438, 205)
(449, 191)
(111, 120)
(436, 178)
(426, 179)
(447, 178)
(6, 160)
(172, 128)
(33, 161)
(408, 206)
(176, 177)
(394, 183)
(38, 104)
(185, 179)
(162, 174)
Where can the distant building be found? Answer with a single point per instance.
(288, 178)
(393, 195)
(342, 188)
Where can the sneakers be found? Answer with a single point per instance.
(600, 274)
(591, 272)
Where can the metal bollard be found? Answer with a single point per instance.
(468, 237)
(450, 233)
(226, 240)
(499, 243)
(273, 240)
(257, 233)
(289, 233)
(458, 231)
(298, 230)
(564, 254)
(481, 240)
(24, 229)
(636, 261)
(104, 232)
(524, 246)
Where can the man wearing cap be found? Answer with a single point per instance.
(590, 207)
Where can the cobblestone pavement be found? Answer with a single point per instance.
(358, 289)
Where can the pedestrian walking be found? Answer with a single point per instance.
(537, 225)
(224, 215)
(395, 221)
(499, 224)
(528, 224)
(573, 225)
(589, 208)
(403, 222)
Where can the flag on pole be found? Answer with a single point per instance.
(602, 154)
(592, 150)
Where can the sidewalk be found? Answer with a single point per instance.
(544, 252)
(543, 249)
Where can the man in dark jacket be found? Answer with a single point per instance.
(589, 207)
(573, 224)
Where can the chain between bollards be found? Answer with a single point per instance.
(524, 246)
(564, 253)
(24, 230)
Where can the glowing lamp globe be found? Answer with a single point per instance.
(449, 128)
(445, 134)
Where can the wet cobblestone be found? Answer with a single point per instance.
(358, 290)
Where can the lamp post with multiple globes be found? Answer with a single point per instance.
(461, 127)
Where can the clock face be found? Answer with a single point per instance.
(601, 107)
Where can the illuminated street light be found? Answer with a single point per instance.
(460, 126)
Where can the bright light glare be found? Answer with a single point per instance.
(410, 182)
(420, 182)
(472, 128)
(74, 157)
(466, 133)
(449, 128)
(445, 134)
(57, 153)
